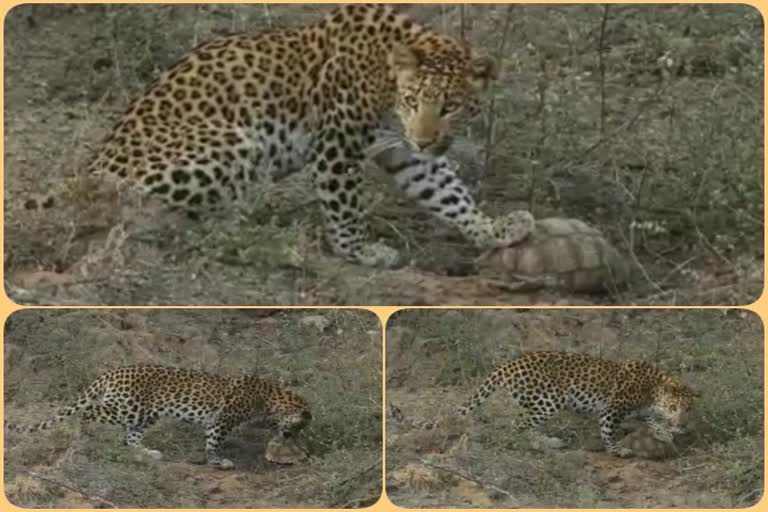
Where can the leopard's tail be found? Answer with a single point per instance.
(490, 385)
(84, 401)
(83, 183)
(46, 424)
(41, 202)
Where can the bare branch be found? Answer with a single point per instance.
(491, 117)
(601, 58)
(463, 27)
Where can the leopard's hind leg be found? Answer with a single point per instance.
(214, 436)
(533, 417)
(134, 433)
(134, 421)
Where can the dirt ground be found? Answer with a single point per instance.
(644, 120)
(332, 358)
(436, 359)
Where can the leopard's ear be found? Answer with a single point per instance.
(404, 58)
(483, 71)
(673, 386)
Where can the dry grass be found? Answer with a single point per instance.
(435, 360)
(331, 357)
(643, 120)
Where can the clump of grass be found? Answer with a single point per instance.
(735, 468)
(264, 247)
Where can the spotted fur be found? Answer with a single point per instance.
(135, 397)
(292, 99)
(544, 383)
(422, 176)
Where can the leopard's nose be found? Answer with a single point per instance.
(422, 144)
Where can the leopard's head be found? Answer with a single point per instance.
(289, 410)
(674, 402)
(440, 86)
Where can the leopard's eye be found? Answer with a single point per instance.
(411, 101)
(449, 108)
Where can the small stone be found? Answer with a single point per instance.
(318, 321)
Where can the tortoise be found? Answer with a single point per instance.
(281, 450)
(645, 446)
(561, 253)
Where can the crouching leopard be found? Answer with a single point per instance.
(543, 383)
(135, 397)
(306, 98)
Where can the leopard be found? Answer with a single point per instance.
(135, 397)
(301, 99)
(543, 383)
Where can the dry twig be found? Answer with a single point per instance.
(91, 497)
(601, 59)
(491, 118)
(472, 479)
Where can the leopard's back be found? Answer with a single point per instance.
(564, 379)
(184, 393)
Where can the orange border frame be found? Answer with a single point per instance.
(759, 307)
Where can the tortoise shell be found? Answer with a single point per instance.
(562, 253)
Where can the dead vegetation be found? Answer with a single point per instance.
(333, 358)
(436, 459)
(643, 120)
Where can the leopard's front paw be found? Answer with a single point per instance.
(377, 255)
(221, 463)
(513, 228)
(541, 441)
(662, 432)
(155, 454)
(226, 464)
(621, 452)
